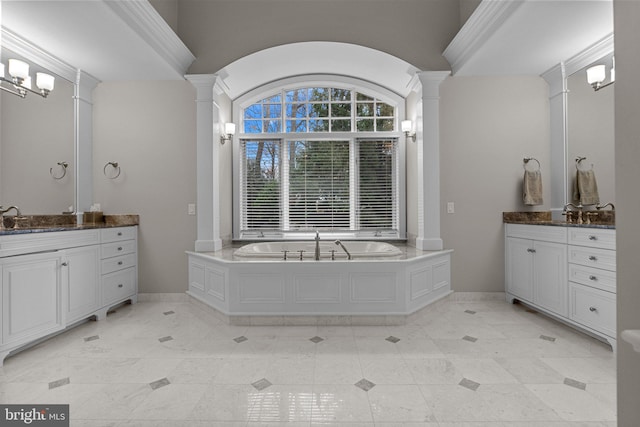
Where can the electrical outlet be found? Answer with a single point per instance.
(191, 209)
(451, 207)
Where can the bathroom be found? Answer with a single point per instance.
(149, 128)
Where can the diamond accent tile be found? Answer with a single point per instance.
(261, 384)
(240, 339)
(164, 339)
(470, 312)
(392, 339)
(166, 313)
(92, 338)
(59, 383)
(365, 384)
(547, 338)
(316, 339)
(467, 383)
(159, 383)
(470, 339)
(574, 383)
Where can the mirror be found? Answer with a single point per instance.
(36, 139)
(590, 129)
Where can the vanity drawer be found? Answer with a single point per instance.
(592, 257)
(109, 250)
(593, 308)
(594, 277)
(593, 237)
(119, 233)
(545, 233)
(118, 286)
(110, 265)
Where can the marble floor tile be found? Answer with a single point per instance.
(427, 375)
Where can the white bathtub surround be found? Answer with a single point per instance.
(364, 290)
(357, 249)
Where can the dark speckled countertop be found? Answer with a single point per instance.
(602, 219)
(51, 223)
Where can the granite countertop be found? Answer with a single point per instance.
(51, 223)
(603, 219)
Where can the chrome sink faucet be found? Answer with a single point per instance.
(4, 211)
(339, 243)
(317, 253)
(566, 210)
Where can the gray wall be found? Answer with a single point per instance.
(487, 126)
(220, 32)
(627, 105)
(149, 129)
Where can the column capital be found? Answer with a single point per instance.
(430, 81)
(204, 84)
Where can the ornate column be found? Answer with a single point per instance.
(428, 148)
(208, 153)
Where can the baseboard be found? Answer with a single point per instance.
(163, 297)
(477, 296)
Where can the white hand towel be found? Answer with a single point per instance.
(532, 188)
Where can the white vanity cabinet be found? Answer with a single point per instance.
(32, 297)
(536, 266)
(51, 280)
(592, 280)
(566, 272)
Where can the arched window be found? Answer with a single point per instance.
(319, 157)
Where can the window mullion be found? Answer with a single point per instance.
(285, 184)
(353, 185)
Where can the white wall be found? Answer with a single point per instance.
(149, 129)
(627, 127)
(487, 126)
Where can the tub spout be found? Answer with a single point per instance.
(339, 243)
(317, 254)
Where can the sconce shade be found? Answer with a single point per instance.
(44, 81)
(1, 70)
(230, 128)
(596, 74)
(406, 126)
(18, 69)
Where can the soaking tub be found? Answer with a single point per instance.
(357, 249)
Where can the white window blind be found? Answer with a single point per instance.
(330, 185)
(260, 181)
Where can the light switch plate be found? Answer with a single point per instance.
(191, 209)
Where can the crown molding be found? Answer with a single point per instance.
(142, 18)
(593, 53)
(481, 25)
(35, 54)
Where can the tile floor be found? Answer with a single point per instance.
(471, 364)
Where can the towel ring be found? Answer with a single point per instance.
(115, 167)
(63, 170)
(526, 160)
(579, 160)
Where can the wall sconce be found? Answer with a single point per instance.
(21, 80)
(598, 73)
(406, 127)
(229, 131)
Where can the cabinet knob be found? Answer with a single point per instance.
(120, 248)
(592, 309)
(533, 251)
(593, 258)
(119, 262)
(593, 278)
(119, 233)
(592, 237)
(120, 285)
(64, 264)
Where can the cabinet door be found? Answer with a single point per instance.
(550, 277)
(31, 297)
(519, 268)
(83, 296)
